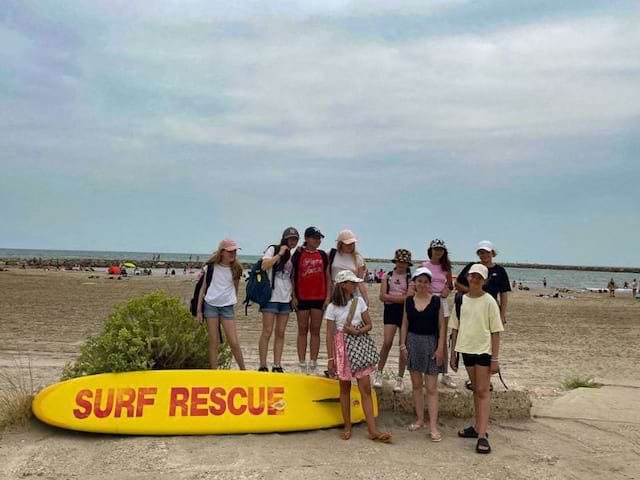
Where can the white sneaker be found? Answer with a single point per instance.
(399, 385)
(447, 381)
(312, 369)
(302, 367)
(377, 379)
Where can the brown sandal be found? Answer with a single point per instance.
(384, 437)
(346, 435)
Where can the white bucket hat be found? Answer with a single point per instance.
(347, 276)
(480, 270)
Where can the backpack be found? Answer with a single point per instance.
(196, 291)
(295, 262)
(259, 288)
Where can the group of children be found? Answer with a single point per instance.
(318, 285)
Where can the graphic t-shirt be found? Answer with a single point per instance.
(282, 286)
(479, 318)
(311, 282)
(340, 314)
(397, 283)
(497, 282)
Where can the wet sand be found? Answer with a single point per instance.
(45, 317)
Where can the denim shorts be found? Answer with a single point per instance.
(276, 307)
(214, 312)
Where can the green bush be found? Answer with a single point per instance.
(572, 383)
(153, 332)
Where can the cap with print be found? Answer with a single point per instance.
(290, 232)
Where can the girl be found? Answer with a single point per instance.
(219, 299)
(476, 335)
(310, 287)
(277, 261)
(346, 316)
(422, 340)
(346, 257)
(441, 285)
(393, 292)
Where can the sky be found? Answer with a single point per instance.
(166, 126)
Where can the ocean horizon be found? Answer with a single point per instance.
(531, 277)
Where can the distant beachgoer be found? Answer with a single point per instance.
(216, 303)
(166, 270)
(379, 276)
(276, 261)
(626, 284)
(611, 286)
(173, 271)
(346, 257)
(634, 288)
(441, 285)
(544, 282)
(514, 284)
(309, 296)
(422, 345)
(476, 335)
(393, 292)
(347, 321)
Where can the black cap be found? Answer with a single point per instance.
(313, 232)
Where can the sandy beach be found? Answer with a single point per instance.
(45, 317)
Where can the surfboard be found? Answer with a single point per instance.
(195, 402)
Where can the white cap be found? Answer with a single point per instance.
(346, 237)
(480, 270)
(347, 276)
(422, 271)
(486, 245)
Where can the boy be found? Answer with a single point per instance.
(476, 335)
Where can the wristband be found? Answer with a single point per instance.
(330, 359)
(495, 359)
(403, 347)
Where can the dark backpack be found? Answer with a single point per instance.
(259, 288)
(196, 291)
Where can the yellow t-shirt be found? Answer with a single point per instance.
(480, 317)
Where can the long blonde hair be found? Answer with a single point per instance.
(354, 254)
(236, 266)
(338, 297)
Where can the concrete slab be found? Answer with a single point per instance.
(619, 404)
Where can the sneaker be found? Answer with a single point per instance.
(399, 385)
(302, 368)
(263, 369)
(447, 381)
(312, 369)
(377, 379)
(277, 369)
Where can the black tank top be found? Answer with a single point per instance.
(426, 321)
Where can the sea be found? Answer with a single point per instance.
(530, 277)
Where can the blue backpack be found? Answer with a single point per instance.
(259, 289)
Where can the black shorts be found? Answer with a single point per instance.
(393, 314)
(471, 360)
(310, 305)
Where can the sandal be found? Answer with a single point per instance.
(346, 435)
(469, 386)
(469, 432)
(415, 426)
(483, 446)
(384, 437)
(435, 437)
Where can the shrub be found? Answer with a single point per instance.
(572, 383)
(16, 395)
(153, 332)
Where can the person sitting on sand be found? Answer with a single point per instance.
(277, 261)
(393, 292)
(215, 304)
(422, 345)
(351, 354)
(476, 335)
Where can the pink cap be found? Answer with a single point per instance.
(228, 245)
(346, 236)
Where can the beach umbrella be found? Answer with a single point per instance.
(129, 265)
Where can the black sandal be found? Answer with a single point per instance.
(469, 432)
(483, 446)
(469, 386)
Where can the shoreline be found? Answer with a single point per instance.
(68, 263)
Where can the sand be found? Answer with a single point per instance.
(45, 317)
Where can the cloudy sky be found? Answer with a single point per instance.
(165, 126)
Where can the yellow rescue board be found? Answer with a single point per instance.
(195, 402)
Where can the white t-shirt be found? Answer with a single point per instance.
(222, 291)
(344, 261)
(340, 314)
(282, 285)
